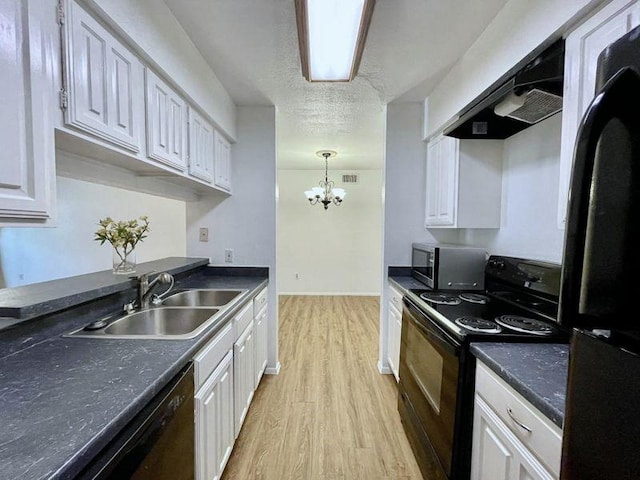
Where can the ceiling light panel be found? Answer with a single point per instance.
(331, 34)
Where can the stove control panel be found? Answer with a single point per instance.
(532, 275)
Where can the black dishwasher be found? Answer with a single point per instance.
(158, 444)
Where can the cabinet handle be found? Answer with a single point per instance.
(517, 422)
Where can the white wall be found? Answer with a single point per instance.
(153, 28)
(529, 197)
(517, 30)
(404, 200)
(30, 255)
(404, 186)
(335, 251)
(246, 221)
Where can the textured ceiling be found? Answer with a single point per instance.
(252, 47)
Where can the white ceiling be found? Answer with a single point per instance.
(252, 47)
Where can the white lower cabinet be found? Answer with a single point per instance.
(215, 434)
(512, 440)
(497, 452)
(394, 331)
(243, 354)
(260, 322)
(226, 372)
(261, 339)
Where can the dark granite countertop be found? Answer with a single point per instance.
(30, 301)
(537, 371)
(404, 283)
(63, 399)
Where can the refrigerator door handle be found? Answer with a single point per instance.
(614, 100)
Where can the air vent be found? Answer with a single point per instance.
(350, 178)
(538, 106)
(480, 128)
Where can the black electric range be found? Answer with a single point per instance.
(437, 371)
(520, 303)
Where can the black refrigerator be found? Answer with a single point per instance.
(600, 295)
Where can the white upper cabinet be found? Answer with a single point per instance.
(105, 82)
(583, 46)
(200, 147)
(167, 123)
(464, 183)
(442, 172)
(222, 166)
(27, 174)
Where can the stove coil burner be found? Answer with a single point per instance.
(474, 298)
(440, 298)
(477, 324)
(524, 325)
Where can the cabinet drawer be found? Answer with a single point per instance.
(211, 354)
(395, 297)
(544, 439)
(242, 320)
(259, 302)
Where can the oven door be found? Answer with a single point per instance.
(429, 371)
(424, 265)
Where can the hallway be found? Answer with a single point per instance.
(329, 414)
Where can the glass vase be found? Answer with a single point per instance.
(124, 262)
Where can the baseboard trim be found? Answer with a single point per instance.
(331, 294)
(384, 369)
(273, 370)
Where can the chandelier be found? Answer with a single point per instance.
(326, 193)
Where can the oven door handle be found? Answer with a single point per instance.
(443, 342)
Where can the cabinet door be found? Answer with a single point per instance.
(393, 347)
(433, 185)
(214, 421)
(583, 46)
(448, 177)
(245, 376)
(222, 166)
(26, 134)
(260, 361)
(497, 454)
(442, 181)
(200, 147)
(105, 82)
(166, 123)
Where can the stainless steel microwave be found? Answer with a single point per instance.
(442, 266)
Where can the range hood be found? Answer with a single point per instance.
(526, 95)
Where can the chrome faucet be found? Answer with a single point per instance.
(146, 287)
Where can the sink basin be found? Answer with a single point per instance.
(156, 323)
(160, 321)
(202, 298)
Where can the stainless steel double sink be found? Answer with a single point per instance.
(182, 315)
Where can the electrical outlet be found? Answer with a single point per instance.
(297, 276)
(228, 255)
(204, 234)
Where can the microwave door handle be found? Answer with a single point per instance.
(613, 100)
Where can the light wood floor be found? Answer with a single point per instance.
(329, 414)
